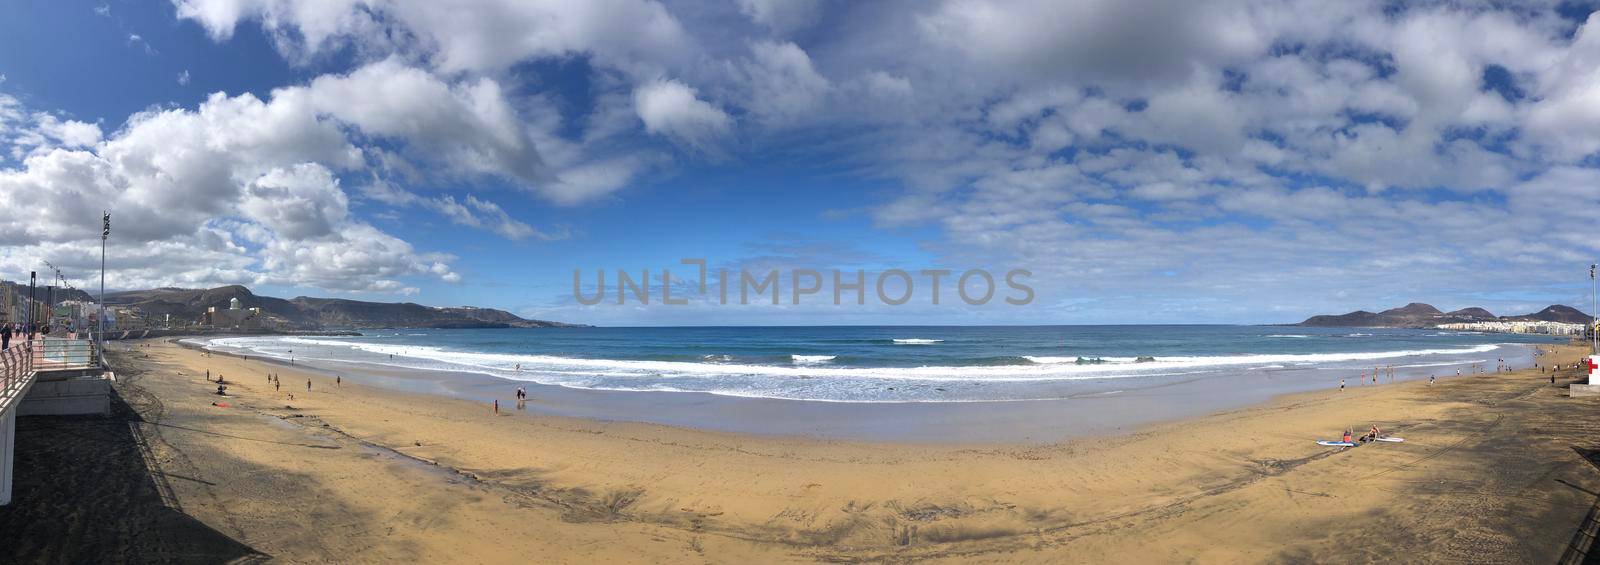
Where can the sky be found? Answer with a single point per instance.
(1144, 161)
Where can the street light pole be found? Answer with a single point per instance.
(1594, 309)
(33, 304)
(105, 232)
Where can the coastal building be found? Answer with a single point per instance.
(241, 319)
(1517, 327)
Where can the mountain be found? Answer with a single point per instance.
(1413, 310)
(1474, 313)
(1413, 315)
(1356, 319)
(1556, 313)
(305, 312)
(1419, 315)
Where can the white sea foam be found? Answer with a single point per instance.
(1296, 336)
(1088, 361)
(916, 341)
(560, 369)
(811, 359)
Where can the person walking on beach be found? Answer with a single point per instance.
(277, 386)
(1341, 384)
(308, 384)
(338, 381)
(5, 337)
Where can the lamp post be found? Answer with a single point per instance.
(33, 304)
(105, 232)
(1594, 308)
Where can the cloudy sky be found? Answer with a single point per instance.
(1149, 161)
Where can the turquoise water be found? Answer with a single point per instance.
(905, 364)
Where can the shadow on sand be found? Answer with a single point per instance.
(84, 493)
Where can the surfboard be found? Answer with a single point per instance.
(1331, 443)
(1392, 439)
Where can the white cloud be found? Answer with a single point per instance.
(784, 86)
(471, 126)
(487, 36)
(301, 202)
(67, 133)
(238, 189)
(670, 108)
(782, 16)
(477, 213)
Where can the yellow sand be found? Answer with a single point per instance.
(1488, 471)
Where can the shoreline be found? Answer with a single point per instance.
(978, 422)
(362, 473)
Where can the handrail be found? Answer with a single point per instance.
(16, 366)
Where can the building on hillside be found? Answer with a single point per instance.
(245, 319)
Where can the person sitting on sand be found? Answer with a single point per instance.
(1372, 434)
(1347, 436)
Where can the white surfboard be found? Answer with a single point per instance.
(1331, 443)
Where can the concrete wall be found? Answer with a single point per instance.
(8, 453)
(70, 396)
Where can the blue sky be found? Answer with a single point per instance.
(1232, 162)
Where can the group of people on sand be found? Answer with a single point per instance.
(1372, 435)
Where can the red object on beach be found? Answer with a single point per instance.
(220, 404)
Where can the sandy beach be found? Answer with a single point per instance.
(1493, 469)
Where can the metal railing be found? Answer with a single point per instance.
(20, 361)
(16, 367)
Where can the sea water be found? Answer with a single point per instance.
(903, 364)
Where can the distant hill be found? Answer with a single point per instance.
(1419, 315)
(1556, 313)
(1474, 313)
(319, 313)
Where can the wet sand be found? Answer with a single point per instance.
(1493, 468)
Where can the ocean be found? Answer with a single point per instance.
(902, 364)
